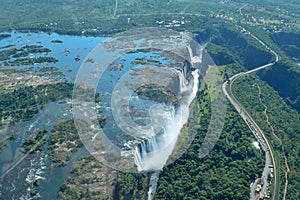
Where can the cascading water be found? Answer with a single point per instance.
(152, 153)
(147, 157)
(140, 127)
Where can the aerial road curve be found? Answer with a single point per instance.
(258, 133)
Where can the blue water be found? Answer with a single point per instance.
(14, 174)
(106, 87)
(66, 52)
(77, 46)
(14, 183)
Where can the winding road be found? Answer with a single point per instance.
(258, 133)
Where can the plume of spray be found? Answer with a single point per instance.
(152, 154)
(123, 144)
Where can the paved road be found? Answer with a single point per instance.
(252, 124)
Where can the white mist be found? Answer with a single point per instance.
(154, 152)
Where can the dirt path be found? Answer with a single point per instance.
(280, 141)
(247, 118)
(116, 8)
(187, 5)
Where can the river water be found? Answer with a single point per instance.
(71, 47)
(18, 170)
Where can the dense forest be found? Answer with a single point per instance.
(24, 103)
(284, 77)
(225, 173)
(228, 170)
(290, 47)
(285, 80)
(282, 130)
(63, 142)
(228, 46)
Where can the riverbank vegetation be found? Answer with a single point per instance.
(3, 36)
(234, 163)
(162, 95)
(35, 143)
(24, 103)
(63, 142)
(12, 56)
(89, 180)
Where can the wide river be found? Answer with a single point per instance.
(18, 171)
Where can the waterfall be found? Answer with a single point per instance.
(151, 154)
